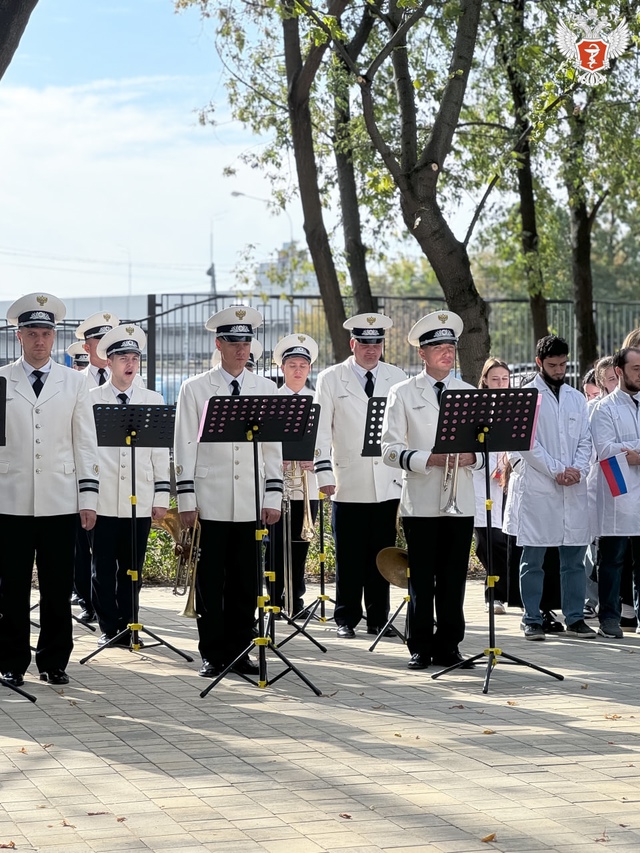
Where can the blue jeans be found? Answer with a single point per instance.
(611, 554)
(572, 582)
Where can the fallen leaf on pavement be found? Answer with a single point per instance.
(488, 732)
(120, 819)
(8, 845)
(46, 745)
(65, 822)
(455, 706)
(92, 814)
(345, 815)
(489, 838)
(612, 717)
(511, 702)
(23, 750)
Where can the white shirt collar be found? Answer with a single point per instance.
(361, 372)
(433, 381)
(128, 391)
(29, 368)
(93, 370)
(228, 378)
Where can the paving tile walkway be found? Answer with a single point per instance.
(128, 757)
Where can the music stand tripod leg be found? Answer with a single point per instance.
(18, 690)
(392, 626)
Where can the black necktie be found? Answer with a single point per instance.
(637, 402)
(38, 385)
(235, 385)
(102, 373)
(123, 398)
(440, 388)
(368, 385)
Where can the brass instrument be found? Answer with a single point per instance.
(450, 484)
(295, 479)
(187, 550)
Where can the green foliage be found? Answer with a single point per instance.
(160, 560)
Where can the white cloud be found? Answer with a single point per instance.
(120, 169)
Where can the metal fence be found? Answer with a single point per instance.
(179, 346)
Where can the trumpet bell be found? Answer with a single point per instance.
(392, 564)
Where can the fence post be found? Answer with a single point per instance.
(151, 341)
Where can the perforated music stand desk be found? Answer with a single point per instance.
(3, 443)
(303, 451)
(272, 418)
(477, 420)
(373, 427)
(134, 426)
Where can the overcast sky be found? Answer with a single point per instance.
(108, 181)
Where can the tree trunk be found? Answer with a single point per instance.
(583, 286)
(450, 262)
(307, 171)
(14, 17)
(355, 249)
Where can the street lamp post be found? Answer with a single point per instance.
(238, 194)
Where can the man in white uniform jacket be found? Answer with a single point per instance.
(218, 480)
(90, 333)
(48, 473)
(615, 428)
(365, 492)
(438, 543)
(111, 597)
(552, 500)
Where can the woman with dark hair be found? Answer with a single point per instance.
(495, 374)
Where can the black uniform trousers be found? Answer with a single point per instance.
(299, 550)
(82, 566)
(360, 530)
(50, 540)
(111, 591)
(438, 552)
(226, 589)
(499, 560)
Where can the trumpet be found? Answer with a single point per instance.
(450, 484)
(295, 479)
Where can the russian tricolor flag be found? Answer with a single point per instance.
(615, 470)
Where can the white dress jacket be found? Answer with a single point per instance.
(343, 417)
(615, 425)
(218, 478)
(152, 464)
(547, 514)
(312, 482)
(49, 465)
(409, 433)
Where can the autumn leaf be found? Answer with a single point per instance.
(397, 734)
(488, 732)
(93, 814)
(345, 815)
(584, 687)
(46, 745)
(120, 819)
(489, 838)
(65, 822)
(511, 702)
(377, 707)
(612, 717)
(8, 845)
(23, 750)
(456, 706)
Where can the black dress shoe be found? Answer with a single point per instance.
(345, 632)
(87, 617)
(246, 666)
(418, 661)
(55, 676)
(371, 629)
(210, 670)
(15, 679)
(445, 659)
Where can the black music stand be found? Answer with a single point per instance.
(372, 446)
(471, 420)
(3, 442)
(134, 426)
(272, 418)
(304, 451)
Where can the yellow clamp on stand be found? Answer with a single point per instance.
(322, 558)
(270, 576)
(482, 434)
(496, 654)
(492, 580)
(261, 641)
(260, 534)
(251, 431)
(263, 601)
(133, 574)
(488, 505)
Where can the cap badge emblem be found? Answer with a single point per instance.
(240, 314)
(106, 317)
(443, 318)
(302, 338)
(371, 320)
(129, 330)
(42, 300)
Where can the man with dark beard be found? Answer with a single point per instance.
(615, 426)
(552, 485)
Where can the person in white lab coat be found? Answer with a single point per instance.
(552, 500)
(615, 428)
